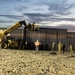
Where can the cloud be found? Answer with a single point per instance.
(56, 10)
(12, 16)
(46, 13)
(60, 7)
(62, 26)
(7, 21)
(62, 19)
(39, 17)
(46, 17)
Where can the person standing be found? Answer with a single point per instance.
(63, 48)
(53, 47)
(59, 47)
(37, 44)
(33, 26)
(71, 49)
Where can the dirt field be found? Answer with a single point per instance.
(23, 62)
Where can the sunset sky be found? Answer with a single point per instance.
(49, 13)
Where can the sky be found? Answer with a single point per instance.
(46, 13)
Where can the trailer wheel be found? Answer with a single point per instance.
(4, 45)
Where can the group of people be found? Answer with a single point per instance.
(60, 47)
(33, 26)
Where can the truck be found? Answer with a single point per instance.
(8, 42)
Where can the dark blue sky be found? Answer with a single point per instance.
(53, 13)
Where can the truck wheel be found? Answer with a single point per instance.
(20, 46)
(4, 45)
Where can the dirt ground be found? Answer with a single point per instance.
(26, 62)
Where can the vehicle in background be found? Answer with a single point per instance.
(9, 42)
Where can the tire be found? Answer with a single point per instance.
(20, 46)
(4, 45)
